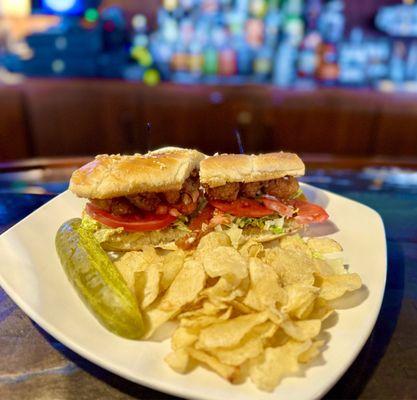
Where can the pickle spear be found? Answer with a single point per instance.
(97, 281)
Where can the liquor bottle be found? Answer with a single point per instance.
(332, 22)
(285, 64)
(293, 24)
(272, 23)
(244, 55)
(397, 64)
(227, 61)
(186, 31)
(196, 60)
(209, 6)
(378, 59)
(258, 8)
(211, 61)
(187, 5)
(262, 64)
(411, 66)
(308, 57)
(242, 7)
(312, 13)
(255, 32)
(180, 58)
(161, 52)
(353, 60)
(328, 68)
(170, 5)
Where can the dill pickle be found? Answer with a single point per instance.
(97, 281)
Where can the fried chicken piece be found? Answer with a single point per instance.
(250, 190)
(121, 206)
(102, 204)
(283, 188)
(145, 201)
(226, 192)
(172, 196)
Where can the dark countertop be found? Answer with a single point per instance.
(33, 365)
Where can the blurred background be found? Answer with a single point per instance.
(81, 77)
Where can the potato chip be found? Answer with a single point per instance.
(198, 322)
(235, 235)
(324, 245)
(201, 321)
(171, 265)
(252, 249)
(335, 286)
(321, 310)
(223, 261)
(211, 241)
(295, 243)
(312, 352)
(265, 330)
(226, 371)
(302, 330)
(267, 371)
(205, 308)
(264, 282)
(178, 360)
(229, 333)
(147, 285)
(236, 356)
(185, 288)
(300, 300)
(291, 267)
(337, 264)
(328, 267)
(241, 308)
(128, 264)
(183, 337)
(221, 292)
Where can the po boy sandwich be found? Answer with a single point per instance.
(139, 200)
(258, 193)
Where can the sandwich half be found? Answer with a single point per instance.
(139, 200)
(258, 193)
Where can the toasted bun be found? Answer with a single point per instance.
(261, 236)
(111, 176)
(125, 241)
(221, 169)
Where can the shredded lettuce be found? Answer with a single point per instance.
(181, 224)
(272, 224)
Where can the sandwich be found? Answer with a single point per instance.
(258, 193)
(139, 200)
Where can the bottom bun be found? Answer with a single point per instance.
(125, 241)
(262, 236)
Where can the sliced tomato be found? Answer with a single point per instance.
(130, 223)
(203, 217)
(242, 208)
(278, 206)
(309, 213)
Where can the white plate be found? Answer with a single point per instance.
(31, 274)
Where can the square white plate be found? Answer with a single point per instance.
(31, 274)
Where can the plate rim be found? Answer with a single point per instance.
(167, 387)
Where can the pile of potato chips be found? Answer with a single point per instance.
(244, 309)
